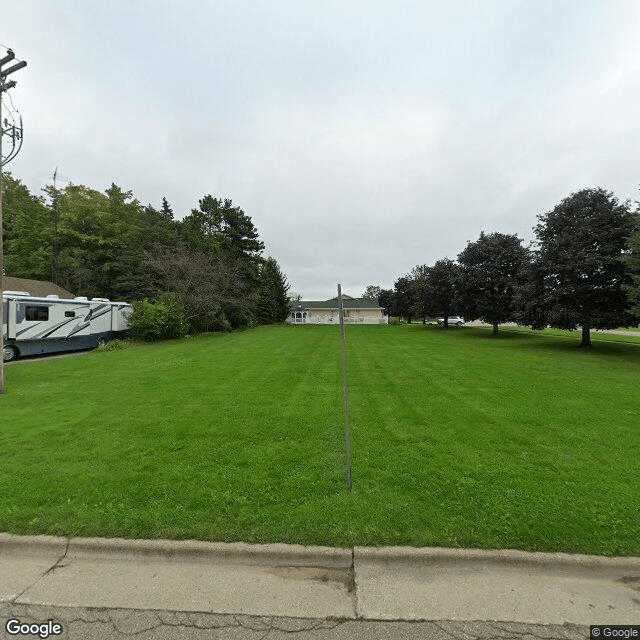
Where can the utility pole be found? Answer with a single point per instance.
(16, 134)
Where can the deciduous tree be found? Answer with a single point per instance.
(491, 268)
(27, 231)
(422, 299)
(579, 277)
(108, 245)
(371, 292)
(404, 298)
(386, 299)
(210, 286)
(633, 264)
(441, 287)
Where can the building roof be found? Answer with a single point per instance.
(38, 288)
(332, 303)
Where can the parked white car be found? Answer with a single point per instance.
(453, 320)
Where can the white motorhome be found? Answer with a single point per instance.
(33, 325)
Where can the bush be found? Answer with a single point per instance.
(160, 320)
(113, 345)
(242, 319)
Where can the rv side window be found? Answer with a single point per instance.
(36, 313)
(69, 314)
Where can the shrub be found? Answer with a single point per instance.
(242, 319)
(113, 345)
(160, 320)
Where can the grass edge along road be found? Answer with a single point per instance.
(459, 439)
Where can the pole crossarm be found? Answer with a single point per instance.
(4, 72)
(8, 58)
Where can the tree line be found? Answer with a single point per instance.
(209, 267)
(583, 271)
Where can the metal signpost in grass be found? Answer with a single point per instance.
(347, 435)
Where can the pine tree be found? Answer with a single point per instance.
(273, 298)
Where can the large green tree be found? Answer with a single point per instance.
(217, 223)
(633, 263)
(108, 245)
(441, 289)
(387, 300)
(209, 285)
(490, 270)
(121, 255)
(98, 241)
(371, 292)
(422, 300)
(27, 232)
(273, 300)
(82, 215)
(578, 277)
(156, 234)
(404, 297)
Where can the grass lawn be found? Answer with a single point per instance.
(459, 439)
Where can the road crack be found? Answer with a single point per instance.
(56, 565)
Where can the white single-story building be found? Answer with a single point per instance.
(356, 311)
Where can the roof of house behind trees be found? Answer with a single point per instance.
(37, 288)
(347, 302)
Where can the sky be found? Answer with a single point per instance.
(363, 138)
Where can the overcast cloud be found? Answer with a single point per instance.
(363, 138)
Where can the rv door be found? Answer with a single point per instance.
(11, 319)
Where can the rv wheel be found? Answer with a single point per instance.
(9, 353)
(102, 341)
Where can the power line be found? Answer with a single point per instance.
(12, 131)
(11, 101)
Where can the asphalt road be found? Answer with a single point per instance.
(79, 623)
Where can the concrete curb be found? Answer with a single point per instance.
(499, 557)
(26, 545)
(298, 555)
(214, 552)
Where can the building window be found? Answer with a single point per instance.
(36, 313)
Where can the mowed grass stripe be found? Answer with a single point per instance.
(459, 439)
(495, 449)
(188, 438)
